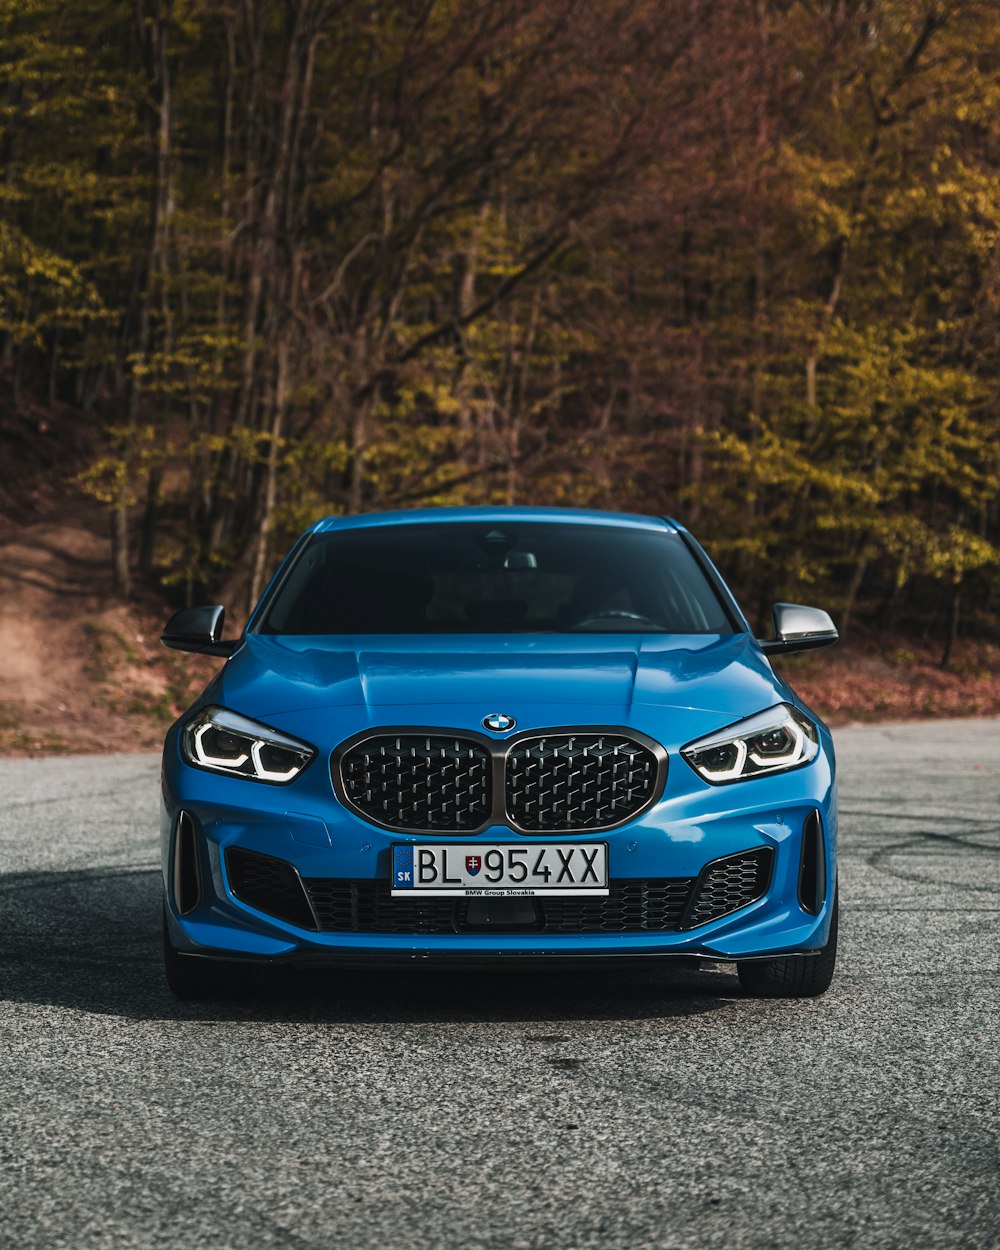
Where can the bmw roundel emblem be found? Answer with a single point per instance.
(498, 722)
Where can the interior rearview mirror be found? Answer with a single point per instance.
(199, 630)
(798, 628)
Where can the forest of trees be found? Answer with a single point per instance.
(733, 260)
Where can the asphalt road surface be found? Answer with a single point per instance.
(476, 1111)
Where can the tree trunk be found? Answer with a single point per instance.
(953, 625)
(120, 574)
(150, 522)
(519, 396)
(853, 587)
(357, 438)
(156, 30)
(271, 477)
(466, 302)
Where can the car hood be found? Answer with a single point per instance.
(271, 676)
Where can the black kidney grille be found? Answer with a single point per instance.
(632, 906)
(726, 885)
(271, 885)
(419, 781)
(578, 781)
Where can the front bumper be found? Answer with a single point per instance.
(304, 825)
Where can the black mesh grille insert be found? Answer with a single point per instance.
(656, 904)
(344, 906)
(433, 782)
(271, 885)
(728, 884)
(578, 781)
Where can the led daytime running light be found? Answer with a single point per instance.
(727, 774)
(736, 754)
(212, 761)
(251, 739)
(790, 758)
(267, 774)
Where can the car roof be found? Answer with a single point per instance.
(497, 513)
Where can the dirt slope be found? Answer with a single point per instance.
(77, 671)
(80, 673)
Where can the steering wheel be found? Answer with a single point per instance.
(614, 614)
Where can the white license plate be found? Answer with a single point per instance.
(503, 870)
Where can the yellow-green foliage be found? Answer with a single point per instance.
(735, 262)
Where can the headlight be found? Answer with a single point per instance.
(770, 742)
(225, 742)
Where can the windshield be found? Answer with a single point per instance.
(523, 577)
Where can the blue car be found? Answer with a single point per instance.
(500, 736)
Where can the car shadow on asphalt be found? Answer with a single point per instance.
(90, 940)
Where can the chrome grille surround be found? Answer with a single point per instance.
(565, 780)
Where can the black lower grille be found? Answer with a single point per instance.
(432, 782)
(726, 885)
(574, 781)
(271, 885)
(655, 904)
(344, 906)
(639, 905)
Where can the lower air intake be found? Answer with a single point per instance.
(638, 905)
(632, 906)
(271, 885)
(726, 885)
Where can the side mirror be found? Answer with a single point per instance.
(798, 628)
(200, 630)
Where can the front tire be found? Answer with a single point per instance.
(793, 976)
(193, 979)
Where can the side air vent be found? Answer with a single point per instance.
(187, 872)
(812, 865)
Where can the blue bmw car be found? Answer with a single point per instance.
(499, 736)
